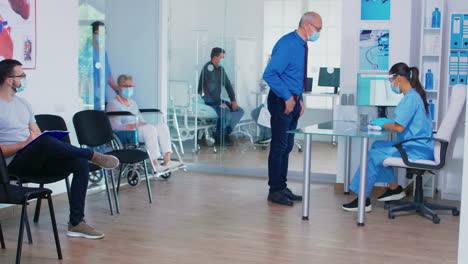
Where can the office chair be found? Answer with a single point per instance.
(419, 167)
(54, 122)
(93, 129)
(13, 194)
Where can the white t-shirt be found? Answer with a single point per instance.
(15, 117)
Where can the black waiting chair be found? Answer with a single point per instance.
(420, 167)
(13, 194)
(52, 122)
(93, 129)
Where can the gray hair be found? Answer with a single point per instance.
(308, 17)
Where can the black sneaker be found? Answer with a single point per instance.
(291, 195)
(353, 206)
(279, 197)
(392, 195)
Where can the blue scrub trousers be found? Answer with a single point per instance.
(376, 172)
(281, 142)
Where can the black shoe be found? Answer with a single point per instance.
(353, 206)
(291, 195)
(279, 197)
(392, 195)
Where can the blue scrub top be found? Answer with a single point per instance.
(411, 114)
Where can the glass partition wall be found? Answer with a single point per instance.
(199, 114)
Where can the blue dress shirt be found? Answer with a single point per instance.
(285, 71)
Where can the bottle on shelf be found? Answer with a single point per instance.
(432, 108)
(436, 18)
(429, 85)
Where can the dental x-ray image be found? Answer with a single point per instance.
(375, 9)
(374, 49)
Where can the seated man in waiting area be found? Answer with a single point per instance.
(47, 155)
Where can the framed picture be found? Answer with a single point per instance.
(18, 31)
(375, 9)
(374, 48)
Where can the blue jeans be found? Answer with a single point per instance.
(50, 156)
(281, 142)
(227, 118)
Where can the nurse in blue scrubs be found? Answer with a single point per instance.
(411, 120)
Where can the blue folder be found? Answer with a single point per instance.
(55, 134)
(456, 33)
(463, 67)
(453, 67)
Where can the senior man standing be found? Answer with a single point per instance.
(286, 74)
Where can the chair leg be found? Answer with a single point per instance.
(150, 196)
(2, 240)
(21, 234)
(67, 185)
(120, 176)
(28, 228)
(104, 174)
(54, 226)
(116, 196)
(38, 207)
(441, 207)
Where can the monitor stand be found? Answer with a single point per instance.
(381, 111)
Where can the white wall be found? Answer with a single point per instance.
(53, 85)
(132, 45)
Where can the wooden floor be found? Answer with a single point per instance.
(203, 218)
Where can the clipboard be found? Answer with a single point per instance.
(55, 134)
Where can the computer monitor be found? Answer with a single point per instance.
(329, 77)
(310, 81)
(373, 89)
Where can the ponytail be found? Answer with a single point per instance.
(412, 75)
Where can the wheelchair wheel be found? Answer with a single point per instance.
(133, 177)
(166, 175)
(95, 177)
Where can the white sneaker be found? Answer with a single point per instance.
(173, 164)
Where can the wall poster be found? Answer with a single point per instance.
(374, 50)
(18, 31)
(375, 9)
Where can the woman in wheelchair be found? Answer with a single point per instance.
(156, 137)
(411, 120)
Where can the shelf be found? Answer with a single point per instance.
(431, 29)
(431, 55)
(431, 91)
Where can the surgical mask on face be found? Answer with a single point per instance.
(395, 89)
(221, 62)
(314, 37)
(24, 84)
(127, 92)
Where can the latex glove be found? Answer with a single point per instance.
(381, 121)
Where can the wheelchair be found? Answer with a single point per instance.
(128, 139)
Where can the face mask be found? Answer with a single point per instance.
(221, 62)
(127, 92)
(395, 89)
(24, 84)
(314, 37)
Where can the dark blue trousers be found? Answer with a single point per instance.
(281, 142)
(50, 156)
(227, 118)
